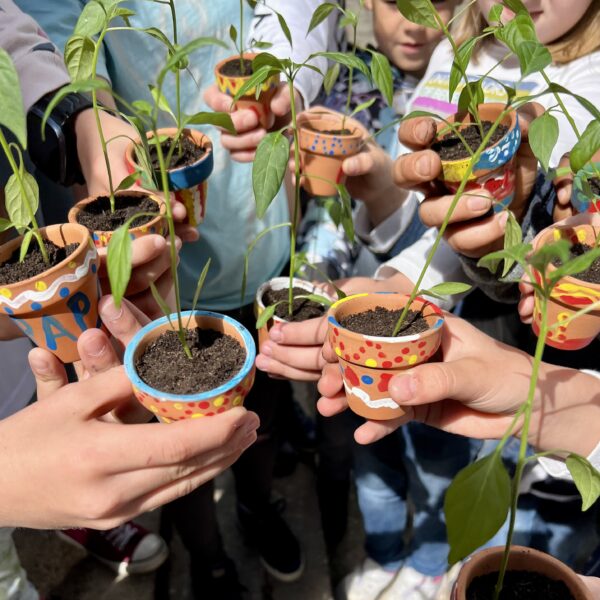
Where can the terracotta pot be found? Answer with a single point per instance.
(369, 362)
(188, 183)
(579, 198)
(322, 154)
(230, 84)
(520, 559)
(569, 296)
(54, 308)
(280, 283)
(495, 170)
(101, 238)
(174, 407)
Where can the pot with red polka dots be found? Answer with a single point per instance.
(173, 407)
(123, 200)
(56, 306)
(369, 362)
(326, 140)
(569, 295)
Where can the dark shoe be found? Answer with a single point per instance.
(278, 547)
(219, 582)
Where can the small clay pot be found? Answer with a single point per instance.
(579, 199)
(261, 106)
(173, 407)
(322, 154)
(54, 308)
(280, 283)
(520, 559)
(188, 183)
(369, 362)
(495, 170)
(569, 295)
(102, 238)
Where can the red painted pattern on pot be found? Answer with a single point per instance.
(368, 363)
(569, 296)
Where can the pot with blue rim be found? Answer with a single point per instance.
(585, 196)
(171, 406)
(368, 362)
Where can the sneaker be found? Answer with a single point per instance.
(409, 584)
(366, 582)
(128, 549)
(218, 582)
(278, 547)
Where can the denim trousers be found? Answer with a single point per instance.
(14, 584)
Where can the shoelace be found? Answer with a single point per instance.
(121, 535)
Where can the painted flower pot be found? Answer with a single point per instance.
(569, 296)
(188, 183)
(230, 85)
(495, 169)
(54, 308)
(280, 283)
(582, 199)
(369, 362)
(101, 238)
(520, 559)
(322, 154)
(174, 407)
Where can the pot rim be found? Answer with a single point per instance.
(306, 119)
(138, 339)
(332, 320)
(232, 57)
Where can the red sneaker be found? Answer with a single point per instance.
(127, 549)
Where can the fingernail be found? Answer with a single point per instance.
(423, 132)
(422, 166)
(403, 388)
(262, 362)
(39, 364)
(266, 349)
(502, 220)
(95, 346)
(276, 335)
(109, 310)
(478, 203)
(159, 242)
(178, 243)
(350, 166)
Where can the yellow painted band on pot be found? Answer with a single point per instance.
(342, 300)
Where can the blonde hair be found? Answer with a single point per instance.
(579, 41)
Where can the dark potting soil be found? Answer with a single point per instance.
(186, 153)
(450, 147)
(344, 131)
(233, 68)
(591, 275)
(595, 185)
(13, 271)
(216, 358)
(381, 322)
(302, 309)
(519, 585)
(96, 216)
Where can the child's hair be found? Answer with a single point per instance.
(581, 40)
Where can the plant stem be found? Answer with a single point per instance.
(177, 73)
(295, 217)
(242, 37)
(350, 76)
(17, 172)
(522, 460)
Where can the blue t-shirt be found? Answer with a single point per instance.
(131, 61)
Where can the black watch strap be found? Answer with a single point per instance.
(55, 153)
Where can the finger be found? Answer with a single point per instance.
(243, 141)
(280, 104)
(358, 165)
(308, 333)
(305, 358)
(122, 322)
(417, 133)
(372, 431)
(331, 406)
(217, 100)
(415, 169)
(49, 372)
(433, 211)
(96, 352)
(144, 301)
(331, 382)
(593, 584)
(526, 306)
(283, 371)
(146, 271)
(478, 238)
(187, 233)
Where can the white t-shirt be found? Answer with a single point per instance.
(17, 384)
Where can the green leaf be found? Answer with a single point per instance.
(256, 79)
(266, 59)
(79, 57)
(186, 50)
(5, 224)
(421, 12)
(543, 135)
(252, 3)
(316, 298)
(460, 64)
(12, 114)
(334, 209)
(495, 13)
(476, 505)
(218, 119)
(262, 45)
(447, 289)
(266, 315)
(471, 97)
(91, 20)
(331, 77)
(576, 265)
(363, 106)
(513, 236)
(128, 181)
(346, 212)
(320, 14)
(233, 34)
(143, 106)
(348, 60)
(533, 57)
(118, 262)
(17, 199)
(586, 478)
(285, 29)
(548, 253)
(164, 307)
(200, 285)
(516, 253)
(381, 74)
(268, 169)
(586, 147)
(159, 35)
(25, 244)
(160, 100)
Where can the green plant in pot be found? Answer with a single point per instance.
(48, 276)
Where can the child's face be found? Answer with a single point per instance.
(552, 18)
(408, 46)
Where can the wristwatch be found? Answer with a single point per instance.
(55, 153)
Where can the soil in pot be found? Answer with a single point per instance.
(591, 275)
(302, 309)
(96, 216)
(216, 358)
(233, 68)
(186, 153)
(13, 271)
(451, 147)
(519, 585)
(382, 321)
(344, 131)
(595, 185)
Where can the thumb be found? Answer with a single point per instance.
(100, 394)
(49, 372)
(307, 333)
